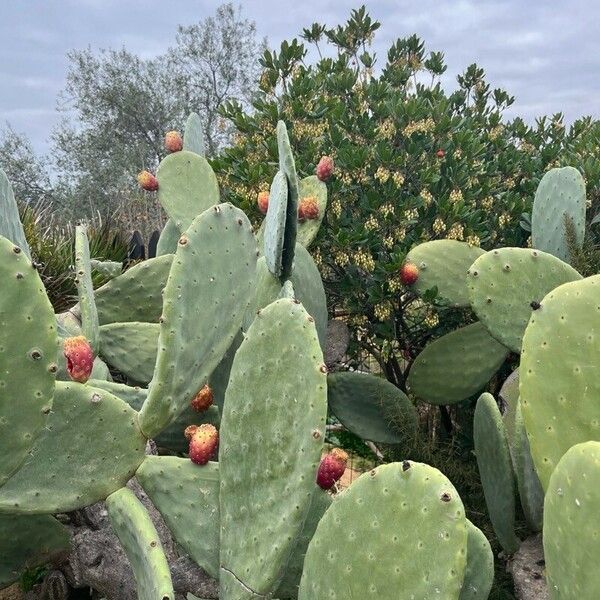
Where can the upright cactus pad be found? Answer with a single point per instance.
(275, 224)
(136, 295)
(92, 445)
(479, 573)
(167, 242)
(187, 186)
(507, 285)
(210, 287)
(559, 385)
(398, 531)
(311, 187)
(10, 223)
(28, 348)
(371, 407)
(495, 470)
(193, 136)
(571, 526)
(456, 366)
(139, 538)
(443, 264)
(85, 289)
(560, 195)
(272, 432)
(187, 497)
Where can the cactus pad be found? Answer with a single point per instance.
(193, 136)
(187, 496)
(135, 295)
(187, 186)
(371, 407)
(167, 242)
(495, 470)
(403, 528)
(443, 264)
(105, 447)
(479, 573)
(138, 536)
(560, 194)
(508, 284)
(311, 187)
(275, 223)
(559, 385)
(210, 287)
(28, 348)
(456, 366)
(571, 527)
(107, 268)
(10, 223)
(272, 432)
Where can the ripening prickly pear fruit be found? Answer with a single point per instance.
(263, 202)
(203, 442)
(308, 209)
(203, 399)
(325, 168)
(147, 181)
(440, 153)
(409, 273)
(173, 141)
(80, 358)
(332, 467)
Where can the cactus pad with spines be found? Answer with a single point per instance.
(91, 446)
(371, 407)
(571, 526)
(559, 385)
(275, 223)
(404, 532)
(135, 295)
(167, 242)
(10, 222)
(187, 497)
(187, 186)
(272, 432)
(508, 284)
(311, 187)
(495, 470)
(456, 366)
(560, 194)
(193, 136)
(443, 264)
(138, 536)
(28, 348)
(107, 268)
(210, 287)
(479, 572)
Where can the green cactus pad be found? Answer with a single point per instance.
(288, 588)
(571, 526)
(399, 529)
(311, 187)
(131, 348)
(28, 348)
(187, 496)
(307, 284)
(27, 542)
(219, 378)
(495, 470)
(10, 222)
(167, 242)
(275, 223)
(68, 324)
(507, 285)
(92, 445)
(107, 268)
(210, 287)
(371, 407)
(138, 536)
(272, 432)
(136, 295)
(559, 385)
(193, 136)
(187, 186)
(85, 288)
(456, 366)
(479, 573)
(560, 194)
(443, 264)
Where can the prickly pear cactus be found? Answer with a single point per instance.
(10, 223)
(275, 224)
(167, 242)
(193, 137)
(479, 572)
(404, 528)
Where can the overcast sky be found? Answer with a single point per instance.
(545, 52)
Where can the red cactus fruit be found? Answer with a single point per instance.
(440, 153)
(325, 168)
(147, 181)
(173, 141)
(80, 358)
(332, 467)
(409, 273)
(263, 202)
(203, 399)
(203, 442)
(308, 209)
